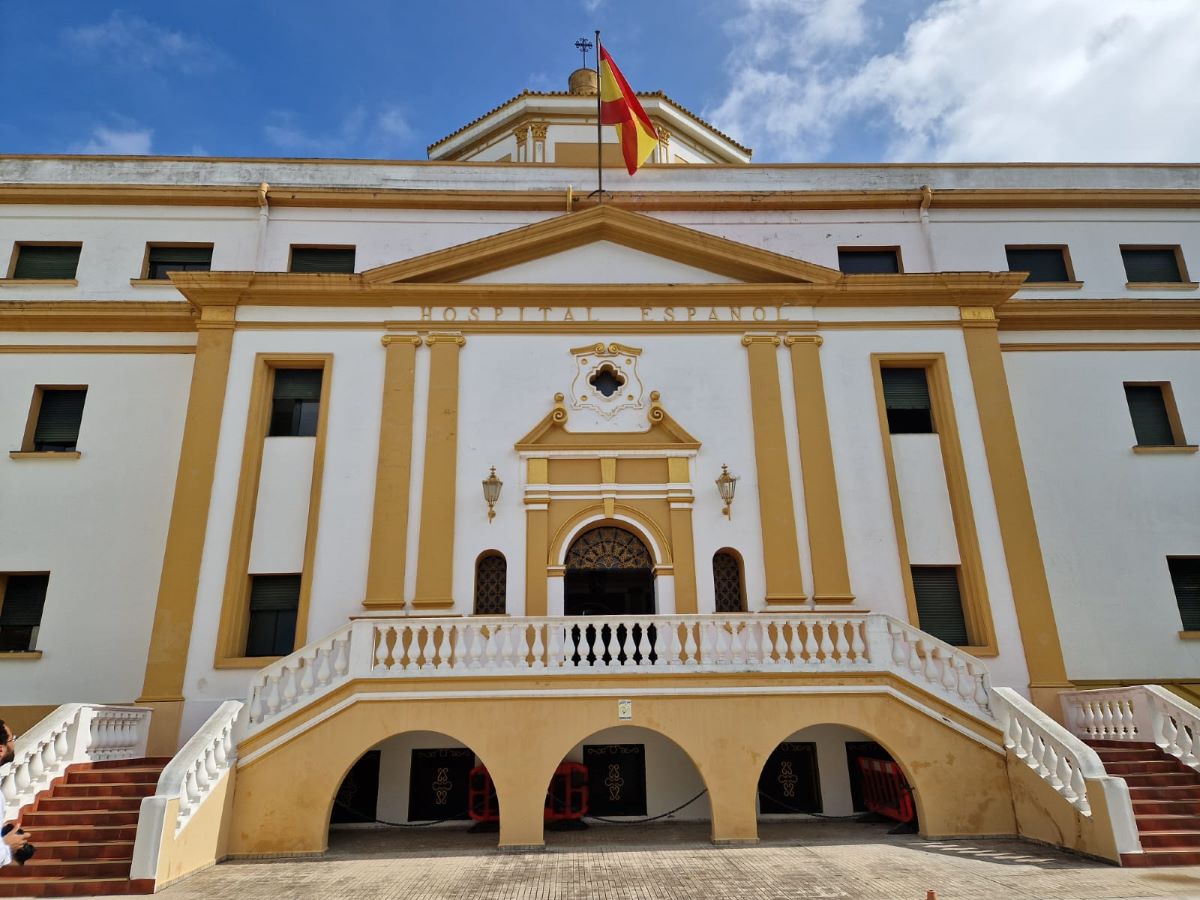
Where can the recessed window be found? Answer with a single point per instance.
(1185, 576)
(160, 260)
(491, 585)
(727, 583)
(296, 403)
(1044, 264)
(1153, 265)
(869, 260)
(322, 259)
(44, 262)
(22, 598)
(57, 414)
(274, 601)
(906, 399)
(939, 603)
(1152, 410)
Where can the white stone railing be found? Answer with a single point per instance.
(1147, 713)
(74, 733)
(563, 646)
(190, 778)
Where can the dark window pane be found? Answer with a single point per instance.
(1185, 575)
(939, 604)
(1042, 263)
(1148, 410)
(323, 259)
(21, 611)
(274, 601)
(491, 585)
(178, 259)
(1151, 264)
(906, 400)
(727, 583)
(58, 421)
(46, 262)
(296, 407)
(868, 262)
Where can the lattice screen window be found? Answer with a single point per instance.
(491, 580)
(608, 548)
(727, 583)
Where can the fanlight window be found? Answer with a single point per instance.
(491, 585)
(608, 548)
(727, 583)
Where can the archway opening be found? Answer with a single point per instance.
(608, 572)
(411, 787)
(625, 775)
(833, 774)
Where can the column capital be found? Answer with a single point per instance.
(455, 338)
(749, 340)
(792, 339)
(389, 339)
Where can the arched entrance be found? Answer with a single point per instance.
(609, 572)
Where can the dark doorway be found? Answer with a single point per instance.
(789, 782)
(609, 592)
(437, 786)
(616, 779)
(856, 750)
(356, 798)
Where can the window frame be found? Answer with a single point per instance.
(144, 273)
(16, 253)
(1071, 282)
(32, 652)
(35, 409)
(292, 248)
(962, 600)
(871, 248)
(1183, 284)
(1179, 440)
(485, 555)
(741, 566)
(1185, 632)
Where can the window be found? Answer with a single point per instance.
(727, 582)
(939, 603)
(906, 399)
(491, 584)
(1044, 264)
(160, 260)
(274, 600)
(1155, 419)
(46, 261)
(56, 415)
(322, 259)
(1185, 575)
(295, 403)
(869, 260)
(22, 598)
(1153, 265)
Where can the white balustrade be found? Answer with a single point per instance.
(1145, 713)
(74, 733)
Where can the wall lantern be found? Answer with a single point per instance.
(491, 493)
(727, 486)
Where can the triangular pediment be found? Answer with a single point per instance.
(551, 434)
(697, 251)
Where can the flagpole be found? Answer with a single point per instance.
(599, 137)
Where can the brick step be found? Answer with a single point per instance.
(1148, 767)
(139, 775)
(82, 833)
(1121, 745)
(1126, 755)
(1190, 808)
(83, 849)
(1155, 858)
(54, 803)
(1160, 779)
(144, 789)
(159, 762)
(38, 868)
(1164, 840)
(36, 819)
(83, 887)
(1166, 821)
(1176, 792)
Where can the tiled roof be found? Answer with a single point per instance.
(656, 94)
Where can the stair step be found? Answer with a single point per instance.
(1126, 755)
(1147, 767)
(159, 762)
(1166, 821)
(83, 833)
(83, 849)
(141, 775)
(1159, 779)
(68, 868)
(36, 819)
(1166, 792)
(54, 803)
(1163, 840)
(1161, 858)
(83, 887)
(1120, 745)
(144, 789)
(1189, 808)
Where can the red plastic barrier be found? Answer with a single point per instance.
(566, 798)
(885, 789)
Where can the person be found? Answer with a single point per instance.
(15, 839)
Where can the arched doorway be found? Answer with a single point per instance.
(609, 572)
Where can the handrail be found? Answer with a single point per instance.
(1146, 713)
(73, 733)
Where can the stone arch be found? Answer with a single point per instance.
(633, 520)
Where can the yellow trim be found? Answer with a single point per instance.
(1014, 508)
(234, 618)
(96, 315)
(393, 474)
(98, 348)
(1161, 285)
(551, 433)
(435, 551)
(827, 543)
(1102, 315)
(1097, 347)
(37, 654)
(170, 637)
(44, 454)
(652, 533)
(1177, 448)
(683, 545)
(1190, 635)
(976, 605)
(781, 554)
(39, 282)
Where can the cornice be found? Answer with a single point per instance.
(97, 315)
(1114, 315)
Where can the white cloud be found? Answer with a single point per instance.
(131, 41)
(1086, 80)
(382, 132)
(592, 5)
(118, 142)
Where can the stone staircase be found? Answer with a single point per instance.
(1166, 802)
(84, 829)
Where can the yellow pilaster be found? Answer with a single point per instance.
(166, 659)
(435, 555)
(831, 575)
(1014, 508)
(683, 549)
(389, 527)
(537, 539)
(781, 555)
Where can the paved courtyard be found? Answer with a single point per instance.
(792, 861)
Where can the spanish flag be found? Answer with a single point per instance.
(619, 106)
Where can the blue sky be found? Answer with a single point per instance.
(798, 80)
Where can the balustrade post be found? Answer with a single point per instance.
(361, 649)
